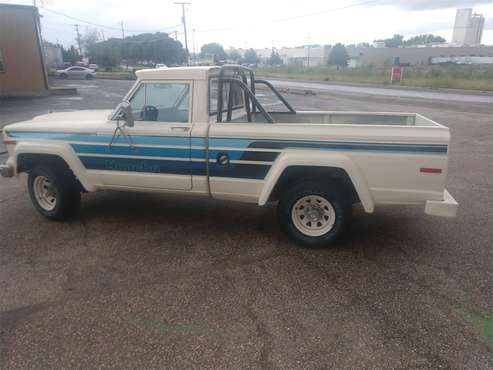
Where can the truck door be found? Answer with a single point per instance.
(155, 153)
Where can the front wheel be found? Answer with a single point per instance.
(89, 77)
(314, 213)
(54, 192)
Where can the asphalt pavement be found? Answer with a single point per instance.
(163, 281)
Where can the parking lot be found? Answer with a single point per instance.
(161, 281)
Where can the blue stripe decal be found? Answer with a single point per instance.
(238, 143)
(139, 151)
(238, 149)
(172, 152)
(249, 171)
(94, 138)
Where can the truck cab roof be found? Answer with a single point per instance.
(177, 73)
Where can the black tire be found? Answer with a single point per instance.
(63, 76)
(328, 190)
(66, 189)
(89, 77)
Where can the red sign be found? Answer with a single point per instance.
(396, 74)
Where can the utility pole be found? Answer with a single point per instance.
(193, 46)
(123, 31)
(309, 48)
(183, 19)
(78, 38)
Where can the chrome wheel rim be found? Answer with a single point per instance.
(313, 215)
(45, 193)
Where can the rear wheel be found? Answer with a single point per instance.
(89, 77)
(54, 192)
(63, 76)
(314, 213)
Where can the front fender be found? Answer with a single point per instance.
(60, 149)
(318, 159)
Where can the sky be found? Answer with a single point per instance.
(258, 23)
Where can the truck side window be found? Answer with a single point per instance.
(161, 102)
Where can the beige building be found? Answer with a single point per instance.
(22, 69)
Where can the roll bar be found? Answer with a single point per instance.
(244, 73)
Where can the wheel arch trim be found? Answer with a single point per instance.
(57, 149)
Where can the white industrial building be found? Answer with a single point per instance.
(306, 56)
(468, 28)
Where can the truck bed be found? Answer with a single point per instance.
(346, 118)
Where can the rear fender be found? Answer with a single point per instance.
(318, 159)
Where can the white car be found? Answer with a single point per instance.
(77, 72)
(202, 131)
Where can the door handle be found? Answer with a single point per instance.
(184, 129)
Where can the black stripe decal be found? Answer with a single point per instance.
(259, 156)
(418, 148)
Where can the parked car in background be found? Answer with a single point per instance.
(76, 72)
(93, 66)
(161, 65)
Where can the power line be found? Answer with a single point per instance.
(306, 15)
(103, 25)
(326, 11)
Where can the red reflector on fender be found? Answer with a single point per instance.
(430, 170)
(9, 142)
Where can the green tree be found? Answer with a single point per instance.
(338, 56)
(90, 38)
(235, 56)
(251, 56)
(423, 40)
(146, 47)
(214, 50)
(275, 58)
(393, 42)
(107, 54)
(71, 54)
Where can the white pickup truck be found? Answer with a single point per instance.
(203, 131)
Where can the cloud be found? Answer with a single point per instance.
(431, 4)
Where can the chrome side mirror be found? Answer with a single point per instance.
(124, 113)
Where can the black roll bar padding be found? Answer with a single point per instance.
(245, 88)
(278, 94)
(219, 110)
(247, 100)
(229, 113)
(249, 93)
